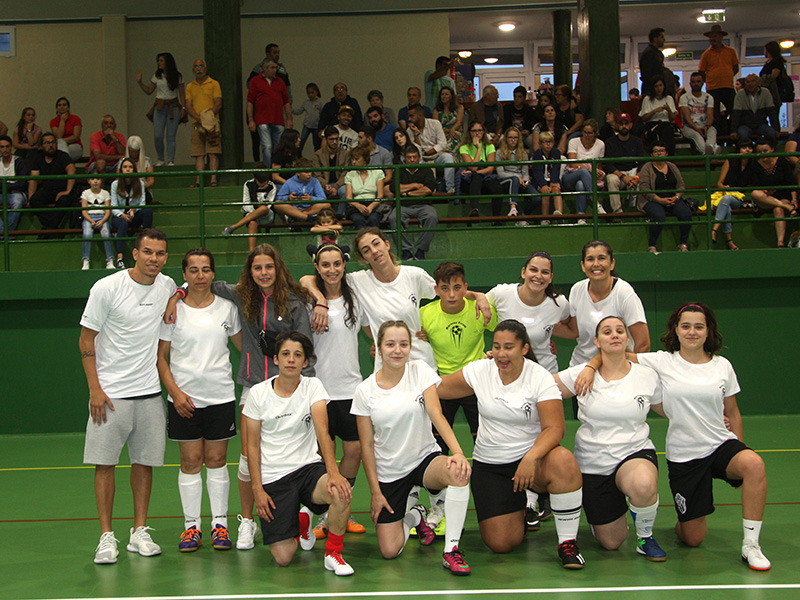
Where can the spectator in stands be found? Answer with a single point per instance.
(752, 107)
(517, 176)
(257, 205)
(330, 112)
(659, 181)
(768, 173)
(719, 64)
(477, 148)
(568, 112)
(285, 156)
(135, 150)
(375, 99)
(67, 128)
(348, 137)
(106, 147)
(547, 177)
(697, 113)
(400, 140)
(363, 191)
(383, 129)
(651, 61)
(51, 161)
(414, 96)
(609, 128)
(268, 109)
(792, 145)
(543, 100)
(489, 112)
(203, 103)
(414, 184)
(27, 134)
(271, 52)
(428, 135)
(578, 176)
(520, 114)
(450, 113)
(634, 94)
(774, 71)
(312, 107)
(304, 192)
(96, 215)
(378, 155)
(17, 197)
(550, 123)
(128, 198)
(657, 114)
(735, 172)
(331, 155)
(622, 174)
(169, 108)
(437, 79)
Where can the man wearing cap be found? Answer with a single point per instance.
(348, 137)
(622, 175)
(329, 113)
(719, 64)
(203, 103)
(697, 110)
(268, 109)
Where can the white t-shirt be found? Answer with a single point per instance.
(337, 352)
(397, 300)
(613, 417)
(698, 107)
(95, 202)
(693, 402)
(8, 170)
(127, 316)
(621, 302)
(538, 320)
(348, 138)
(288, 438)
(162, 88)
(403, 430)
(509, 419)
(598, 150)
(198, 356)
(648, 104)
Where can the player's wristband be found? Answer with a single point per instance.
(182, 290)
(320, 306)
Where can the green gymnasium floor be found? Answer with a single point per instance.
(50, 531)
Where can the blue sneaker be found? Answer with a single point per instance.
(191, 540)
(650, 549)
(220, 539)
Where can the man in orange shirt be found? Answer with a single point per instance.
(719, 64)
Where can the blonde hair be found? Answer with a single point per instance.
(505, 151)
(547, 136)
(135, 143)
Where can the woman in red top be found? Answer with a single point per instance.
(67, 128)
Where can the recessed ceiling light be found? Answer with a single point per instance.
(465, 53)
(669, 51)
(786, 44)
(490, 59)
(507, 26)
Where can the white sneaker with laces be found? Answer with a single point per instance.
(110, 263)
(307, 537)
(85, 264)
(247, 533)
(435, 514)
(159, 163)
(106, 552)
(142, 543)
(334, 562)
(513, 211)
(755, 559)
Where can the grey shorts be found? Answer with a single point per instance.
(142, 424)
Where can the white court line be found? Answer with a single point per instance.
(439, 593)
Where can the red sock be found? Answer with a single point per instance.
(334, 543)
(304, 521)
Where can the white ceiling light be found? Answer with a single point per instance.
(507, 26)
(465, 53)
(490, 59)
(786, 44)
(669, 51)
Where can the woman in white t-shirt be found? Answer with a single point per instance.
(194, 365)
(577, 177)
(520, 428)
(395, 408)
(292, 458)
(169, 108)
(612, 445)
(705, 435)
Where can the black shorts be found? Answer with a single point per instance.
(213, 423)
(493, 490)
(691, 481)
(470, 406)
(603, 502)
(288, 493)
(341, 423)
(396, 492)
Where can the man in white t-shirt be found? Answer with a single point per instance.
(429, 137)
(118, 344)
(697, 111)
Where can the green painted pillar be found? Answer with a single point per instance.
(598, 51)
(562, 47)
(223, 55)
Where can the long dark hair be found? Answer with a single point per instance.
(452, 106)
(774, 50)
(287, 147)
(128, 187)
(170, 71)
(398, 152)
(347, 293)
(284, 285)
(550, 290)
(599, 243)
(519, 331)
(21, 123)
(654, 81)
(371, 231)
(714, 340)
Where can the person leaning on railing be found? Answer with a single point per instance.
(768, 173)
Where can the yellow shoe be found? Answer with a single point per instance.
(321, 528)
(353, 527)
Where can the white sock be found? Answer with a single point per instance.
(456, 503)
(644, 518)
(191, 490)
(410, 520)
(752, 529)
(567, 513)
(413, 498)
(218, 483)
(533, 498)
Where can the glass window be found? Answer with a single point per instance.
(8, 41)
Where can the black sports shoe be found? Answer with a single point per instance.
(532, 519)
(570, 555)
(545, 512)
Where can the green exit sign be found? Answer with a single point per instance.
(717, 17)
(684, 56)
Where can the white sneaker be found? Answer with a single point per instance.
(142, 543)
(159, 163)
(170, 164)
(307, 537)
(600, 209)
(334, 562)
(110, 263)
(435, 514)
(247, 533)
(581, 221)
(755, 559)
(544, 222)
(85, 264)
(106, 552)
(513, 211)
(708, 149)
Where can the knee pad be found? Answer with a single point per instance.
(244, 469)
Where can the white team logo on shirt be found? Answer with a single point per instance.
(526, 408)
(680, 504)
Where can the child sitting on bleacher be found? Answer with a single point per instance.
(96, 202)
(258, 198)
(327, 228)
